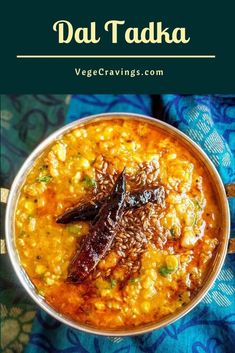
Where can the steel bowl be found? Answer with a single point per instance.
(217, 261)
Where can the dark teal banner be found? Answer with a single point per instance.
(107, 47)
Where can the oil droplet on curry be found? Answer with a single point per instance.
(160, 253)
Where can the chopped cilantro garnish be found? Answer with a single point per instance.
(89, 181)
(165, 271)
(44, 179)
(74, 228)
(113, 283)
(197, 204)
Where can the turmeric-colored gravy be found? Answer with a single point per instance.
(161, 253)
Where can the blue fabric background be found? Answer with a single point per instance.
(210, 327)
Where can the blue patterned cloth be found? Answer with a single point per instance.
(210, 327)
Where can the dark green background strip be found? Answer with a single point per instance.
(26, 28)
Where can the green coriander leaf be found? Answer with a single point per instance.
(44, 179)
(74, 228)
(197, 204)
(113, 283)
(164, 271)
(89, 181)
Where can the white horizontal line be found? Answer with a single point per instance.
(115, 56)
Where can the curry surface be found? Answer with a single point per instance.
(172, 263)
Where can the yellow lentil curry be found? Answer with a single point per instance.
(160, 253)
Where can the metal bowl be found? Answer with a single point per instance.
(217, 261)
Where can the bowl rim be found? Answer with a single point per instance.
(21, 273)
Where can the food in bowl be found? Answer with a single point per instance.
(155, 252)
